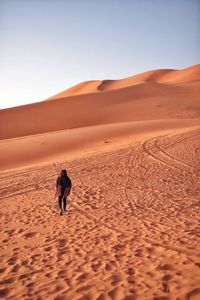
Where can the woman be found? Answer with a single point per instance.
(63, 188)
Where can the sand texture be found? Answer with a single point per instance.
(132, 226)
(131, 230)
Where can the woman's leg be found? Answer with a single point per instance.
(64, 203)
(60, 202)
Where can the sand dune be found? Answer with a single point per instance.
(189, 74)
(81, 88)
(144, 101)
(131, 232)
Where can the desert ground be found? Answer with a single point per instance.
(132, 227)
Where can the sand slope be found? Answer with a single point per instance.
(157, 76)
(131, 230)
(79, 142)
(144, 101)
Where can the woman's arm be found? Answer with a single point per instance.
(58, 187)
(67, 192)
(58, 191)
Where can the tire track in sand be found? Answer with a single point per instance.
(134, 209)
(152, 148)
(22, 188)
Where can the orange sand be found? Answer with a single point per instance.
(132, 150)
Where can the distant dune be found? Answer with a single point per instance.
(153, 95)
(156, 76)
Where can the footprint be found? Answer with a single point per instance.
(2, 270)
(62, 242)
(197, 264)
(48, 248)
(165, 267)
(109, 267)
(82, 277)
(103, 296)
(84, 288)
(130, 271)
(131, 279)
(13, 260)
(117, 293)
(4, 293)
(115, 279)
(16, 268)
(8, 280)
(167, 277)
(139, 253)
(193, 294)
(31, 234)
(165, 287)
(96, 267)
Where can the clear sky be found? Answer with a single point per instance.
(47, 46)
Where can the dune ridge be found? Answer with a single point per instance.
(169, 76)
(143, 101)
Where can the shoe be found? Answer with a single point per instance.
(61, 212)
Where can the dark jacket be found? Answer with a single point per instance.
(63, 182)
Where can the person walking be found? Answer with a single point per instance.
(63, 188)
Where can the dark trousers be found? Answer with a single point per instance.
(60, 200)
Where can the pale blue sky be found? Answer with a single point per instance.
(47, 46)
